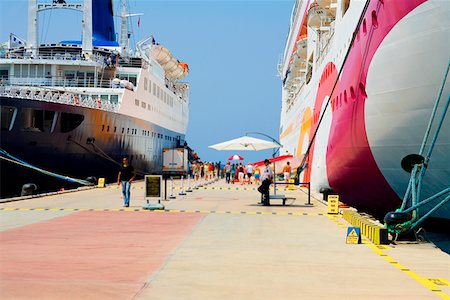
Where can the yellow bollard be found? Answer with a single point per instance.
(291, 186)
(101, 183)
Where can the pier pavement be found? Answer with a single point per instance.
(213, 243)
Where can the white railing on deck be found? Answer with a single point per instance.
(57, 96)
(73, 55)
(53, 54)
(56, 81)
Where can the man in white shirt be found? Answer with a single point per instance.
(249, 172)
(266, 181)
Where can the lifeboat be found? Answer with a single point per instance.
(330, 5)
(176, 72)
(171, 66)
(185, 69)
(315, 13)
(299, 71)
(298, 63)
(301, 47)
(291, 82)
(161, 54)
(179, 72)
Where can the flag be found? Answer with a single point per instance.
(139, 22)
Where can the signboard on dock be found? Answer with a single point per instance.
(153, 188)
(333, 204)
(353, 235)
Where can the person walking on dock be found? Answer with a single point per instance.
(233, 171)
(126, 176)
(227, 170)
(287, 172)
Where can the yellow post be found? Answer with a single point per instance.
(291, 186)
(101, 183)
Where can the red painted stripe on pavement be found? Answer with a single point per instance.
(94, 255)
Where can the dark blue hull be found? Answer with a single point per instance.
(77, 142)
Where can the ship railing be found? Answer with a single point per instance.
(181, 89)
(87, 82)
(70, 55)
(89, 100)
(131, 63)
(293, 95)
(53, 54)
(325, 43)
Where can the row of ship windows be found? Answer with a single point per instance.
(144, 105)
(158, 92)
(338, 101)
(343, 98)
(134, 131)
(132, 157)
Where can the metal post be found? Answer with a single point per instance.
(171, 189)
(196, 183)
(182, 193)
(274, 177)
(189, 190)
(309, 194)
(165, 188)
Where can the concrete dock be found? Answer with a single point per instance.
(213, 243)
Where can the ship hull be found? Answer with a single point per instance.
(93, 148)
(379, 110)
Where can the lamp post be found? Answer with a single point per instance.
(273, 156)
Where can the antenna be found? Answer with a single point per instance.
(124, 37)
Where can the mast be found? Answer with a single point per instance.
(32, 41)
(124, 34)
(123, 28)
(87, 27)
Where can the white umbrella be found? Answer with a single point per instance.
(245, 143)
(248, 143)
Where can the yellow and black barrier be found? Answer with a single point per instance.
(377, 234)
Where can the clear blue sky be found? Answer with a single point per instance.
(232, 48)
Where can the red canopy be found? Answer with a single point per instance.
(273, 159)
(281, 160)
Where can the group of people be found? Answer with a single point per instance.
(241, 173)
(208, 170)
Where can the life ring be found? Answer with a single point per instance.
(99, 103)
(76, 100)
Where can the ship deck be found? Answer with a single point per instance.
(213, 243)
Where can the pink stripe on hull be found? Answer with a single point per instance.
(351, 167)
(92, 255)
